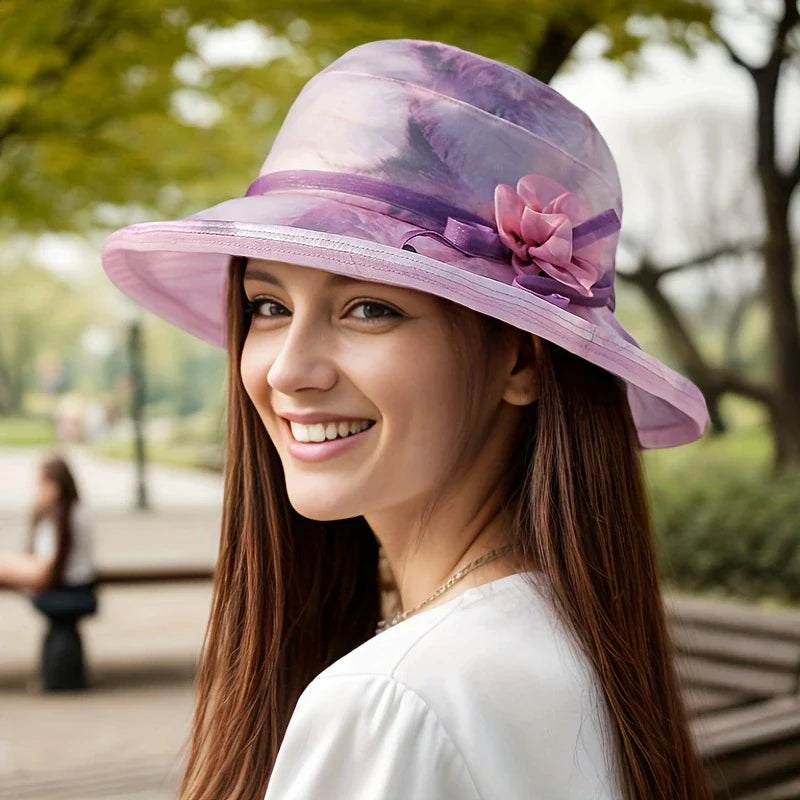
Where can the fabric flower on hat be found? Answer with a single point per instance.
(536, 222)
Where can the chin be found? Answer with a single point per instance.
(322, 509)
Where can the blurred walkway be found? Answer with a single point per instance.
(107, 483)
(122, 739)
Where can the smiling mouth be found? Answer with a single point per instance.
(321, 432)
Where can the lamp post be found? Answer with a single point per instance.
(136, 372)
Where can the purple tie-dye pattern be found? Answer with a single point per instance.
(498, 89)
(461, 126)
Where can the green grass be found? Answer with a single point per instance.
(748, 449)
(765, 601)
(17, 431)
(184, 454)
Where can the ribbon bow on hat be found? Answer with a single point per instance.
(539, 224)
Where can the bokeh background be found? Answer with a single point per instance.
(112, 113)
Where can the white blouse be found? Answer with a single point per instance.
(79, 565)
(483, 697)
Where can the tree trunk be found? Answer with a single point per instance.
(692, 363)
(785, 336)
(778, 269)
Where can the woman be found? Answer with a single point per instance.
(416, 296)
(59, 549)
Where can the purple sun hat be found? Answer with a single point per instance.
(419, 164)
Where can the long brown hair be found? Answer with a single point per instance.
(55, 468)
(292, 595)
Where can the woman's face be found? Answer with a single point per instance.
(357, 352)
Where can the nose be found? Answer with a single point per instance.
(303, 358)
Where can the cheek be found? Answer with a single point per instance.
(253, 368)
(253, 371)
(418, 397)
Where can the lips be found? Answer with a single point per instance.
(320, 451)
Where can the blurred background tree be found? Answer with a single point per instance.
(113, 113)
(42, 318)
(773, 73)
(137, 105)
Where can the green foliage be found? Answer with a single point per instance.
(723, 524)
(732, 531)
(92, 92)
(41, 317)
(184, 374)
(748, 449)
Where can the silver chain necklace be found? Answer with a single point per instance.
(400, 616)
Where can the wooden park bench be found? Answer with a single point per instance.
(62, 664)
(137, 575)
(739, 666)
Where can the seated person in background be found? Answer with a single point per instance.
(59, 552)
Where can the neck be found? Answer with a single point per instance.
(455, 536)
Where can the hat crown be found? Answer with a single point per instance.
(444, 122)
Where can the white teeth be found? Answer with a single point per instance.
(316, 432)
(323, 431)
(300, 432)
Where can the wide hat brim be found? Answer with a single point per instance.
(179, 270)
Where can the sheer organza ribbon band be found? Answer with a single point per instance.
(467, 232)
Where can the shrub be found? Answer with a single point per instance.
(731, 531)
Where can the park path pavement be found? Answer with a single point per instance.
(122, 739)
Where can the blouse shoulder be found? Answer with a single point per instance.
(367, 737)
(487, 696)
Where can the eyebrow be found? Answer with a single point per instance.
(334, 279)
